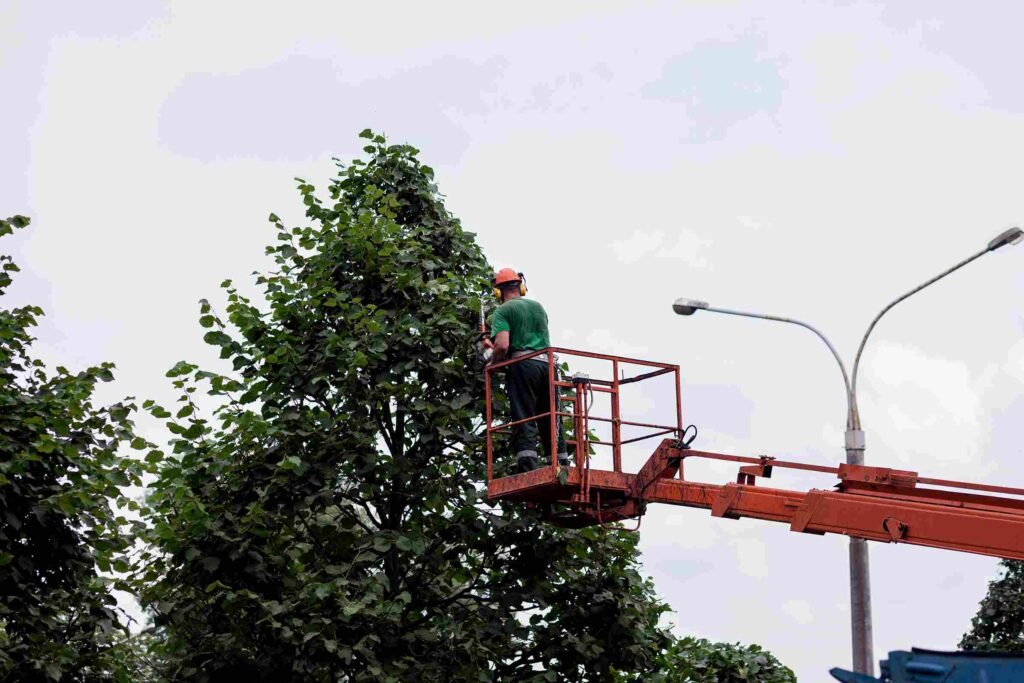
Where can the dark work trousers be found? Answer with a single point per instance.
(530, 394)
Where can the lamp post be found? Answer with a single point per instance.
(860, 586)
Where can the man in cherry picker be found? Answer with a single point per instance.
(519, 326)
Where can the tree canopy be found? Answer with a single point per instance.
(999, 623)
(63, 529)
(326, 521)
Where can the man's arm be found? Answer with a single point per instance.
(501, 330)
(500, 347)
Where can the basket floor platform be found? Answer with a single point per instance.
(567, 498)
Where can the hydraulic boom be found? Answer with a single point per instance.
(874, 503)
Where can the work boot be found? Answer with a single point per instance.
(526, 461)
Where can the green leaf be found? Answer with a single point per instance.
(181, 368)
(216, 338)
(159, 412)
(291, 462)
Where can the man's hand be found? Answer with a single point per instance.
(485, 351)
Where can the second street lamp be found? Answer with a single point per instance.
(860, 584)
(1011, 236)
(860, 589)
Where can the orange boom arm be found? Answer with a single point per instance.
(873, 503)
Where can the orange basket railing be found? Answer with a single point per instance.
(579, 387)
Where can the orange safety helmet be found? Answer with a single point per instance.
(505, 276)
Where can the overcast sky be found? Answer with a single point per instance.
(812, 160)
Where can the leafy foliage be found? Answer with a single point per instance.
(999, 623)
(326, 521)
(62, 531)
(695, 660)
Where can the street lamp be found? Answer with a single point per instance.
(860, 587)
(691, 306)
(1011, 236)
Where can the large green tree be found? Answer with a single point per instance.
(326, 520)
(63, 531)
(999, 623)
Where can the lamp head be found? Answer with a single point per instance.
(1011, 236)
(688, 306)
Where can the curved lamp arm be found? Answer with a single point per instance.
(1011, 236)
(690, 306)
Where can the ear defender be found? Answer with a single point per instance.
(507, 276)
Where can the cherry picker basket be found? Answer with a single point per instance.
(583, 494)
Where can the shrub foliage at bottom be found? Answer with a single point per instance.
(696, 660)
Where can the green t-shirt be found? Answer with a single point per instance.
(526, 323)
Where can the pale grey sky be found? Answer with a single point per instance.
(807, 159)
